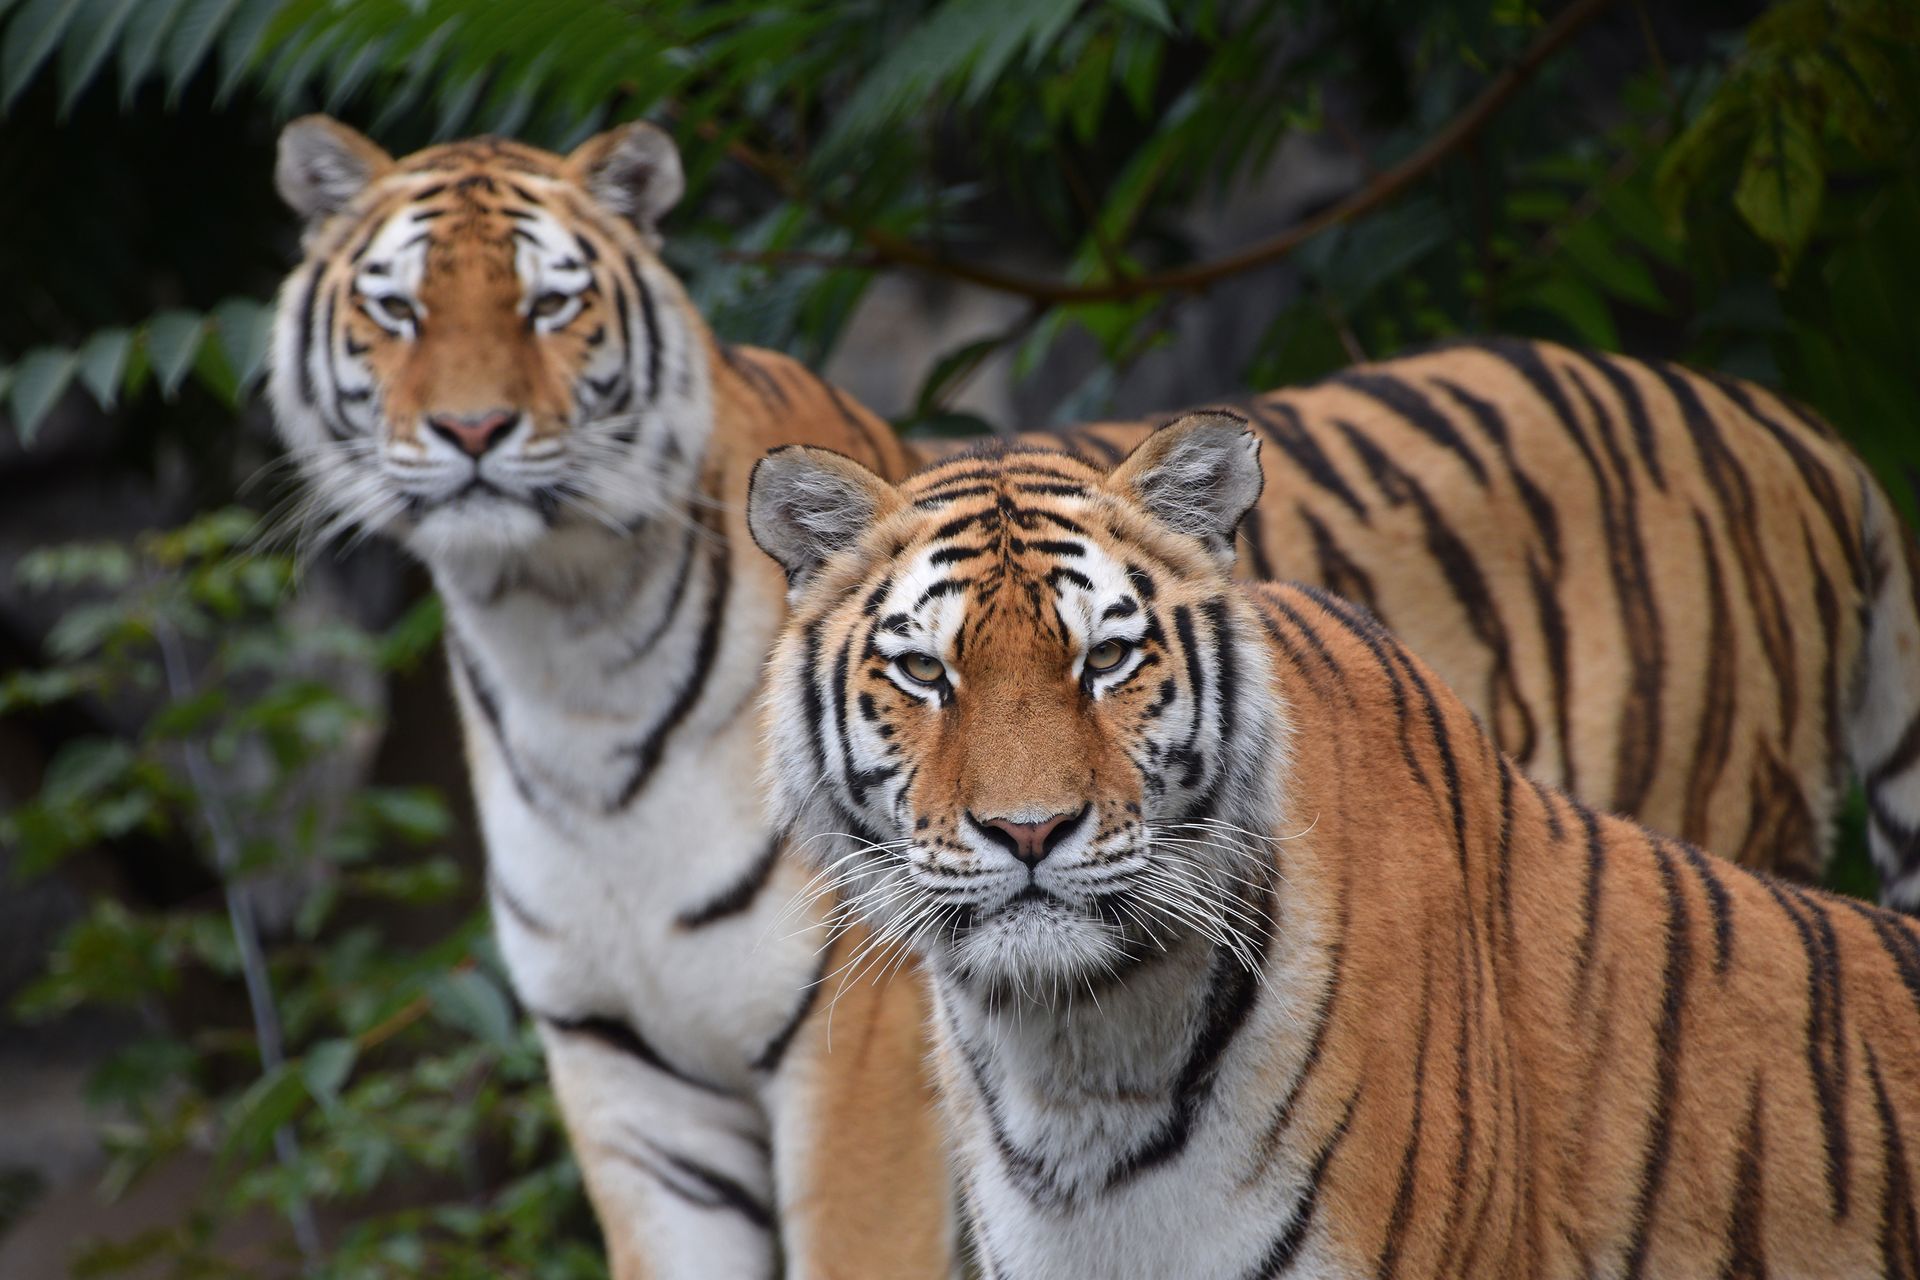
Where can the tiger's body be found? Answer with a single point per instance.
(483, 357)
(606, 620)
(1252, 955)
(1680, 597)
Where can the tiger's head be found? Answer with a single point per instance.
(1020, 716)
(481, 345)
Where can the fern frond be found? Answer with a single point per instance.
(225, 349)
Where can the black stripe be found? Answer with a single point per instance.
(1897, 939)
(304, 362)
(650, 315)
(1734, 492)
(1899, 1230)
(1232, 992)
(1824, 1033)
(682, 574)
(1746, 1238)
(769, 1057)
(497, 889)
(1402, 1209)
(1281, 423)
(647, 751)
(1638, 420)
(1469, 585)
(1400, 398)
(489, 703)
(1590, 907)
(1339, 573)
(698, 1185)
(1710, 750)
(1539, 507)
(1719, 904)
(736, 897)
(1285, 1249)
(1636, 749)
(1668, 1041)
(620, 1035)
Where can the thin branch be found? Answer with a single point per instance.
(246, 928)
(897, 251)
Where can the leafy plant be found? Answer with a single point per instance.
(356, 1061)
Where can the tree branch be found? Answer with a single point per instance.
(887, 249)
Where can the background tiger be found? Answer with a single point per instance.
(1254, 957)
(482, 356)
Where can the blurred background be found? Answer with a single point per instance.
(250, 1021)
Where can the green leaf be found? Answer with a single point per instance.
(951, 369)
(415, 813)
(409, 639)
(38, 381)
(84, 768)
(1782, 183)
(471, 1002)
(173, 340)
(325, 1069)
(82, 56)
(1581, 307)
(1152, 12)
(270, 1102)
(103, 362)
(140, 48)
(32, 35)
(193, 34)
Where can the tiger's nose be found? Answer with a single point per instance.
(1030, 841)
(475, 433)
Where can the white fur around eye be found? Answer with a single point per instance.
(558, 319)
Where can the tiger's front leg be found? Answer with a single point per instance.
(678, 1174)
(860, 1162)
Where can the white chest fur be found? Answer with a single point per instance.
(613, 745)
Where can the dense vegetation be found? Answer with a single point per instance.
(312, 998)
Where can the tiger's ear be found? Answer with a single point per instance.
(804, 504)
(323, 164)
(634, 170)
(1199, 475)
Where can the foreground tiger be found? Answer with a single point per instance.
(1678, 595)
(1252, 956)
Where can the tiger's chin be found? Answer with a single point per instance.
(481, 525)
(1034, 945)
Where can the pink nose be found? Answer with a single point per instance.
(1031, 841)
(475, 433)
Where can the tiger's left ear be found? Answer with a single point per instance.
(1199, 475)
(804, 504)
(323, 165)
(634, 170)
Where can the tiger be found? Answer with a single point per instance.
(1253, 956)
(482, 357)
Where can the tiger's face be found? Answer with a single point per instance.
(480, 345)
(1017, 713)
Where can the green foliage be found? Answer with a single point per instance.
(226, 349)
(403, 1064)
(1753, 206)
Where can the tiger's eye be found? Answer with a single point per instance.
(921, 667)
(548, 305)
(396, 308)
(1107, 655)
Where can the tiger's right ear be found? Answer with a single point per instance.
(804, 504)
(323, 164)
